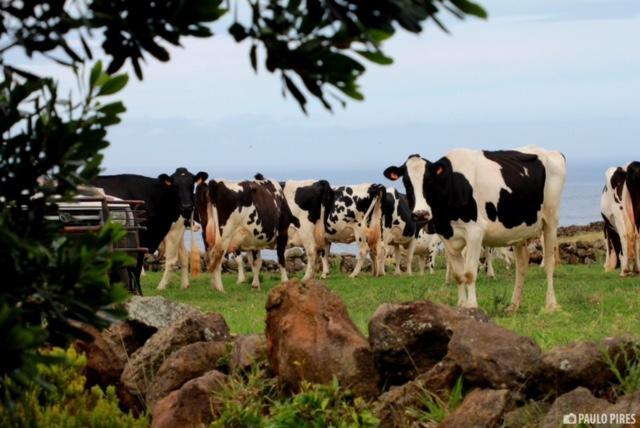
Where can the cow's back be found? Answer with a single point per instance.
(160, 213)
(514, 190)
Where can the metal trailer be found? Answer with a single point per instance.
(87, 214)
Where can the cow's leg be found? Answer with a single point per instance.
(624, 255)
(312, 260)
(449, 272)
(171, 256)
(549, 249)
(281, 246)
(488, 259)
(471, 262)
(397, 257)
(422, 261)
(411, 249)
(363, 250)
(183, 257)
(325, 260)
(521, 254)
(242, 276)
(216, 254)
(637, 253)
(455, 265)
(611, 257)
(433, 252)
(256, 264)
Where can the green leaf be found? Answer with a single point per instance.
(114, 108)
(96, 71)
(379, 35)
(113, 85)
(238, 32)
(470, 8)
(254, 57)
(295, 92)
(377, 57)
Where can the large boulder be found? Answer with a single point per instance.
(187, 363)
(492, 356)
(564, 368)
(156, 311)
(140, 371)
(481, 408)
(107, 353)
(311, 337)
(189, 406)
(409, 338)
(577, 402)
(247, 351)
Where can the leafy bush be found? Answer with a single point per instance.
(256, 401)
(59, 399)
(49, 146)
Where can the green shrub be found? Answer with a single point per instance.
(256, 401)
(629, 377)
(434, 409)
(59, 399)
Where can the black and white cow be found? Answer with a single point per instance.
(620, 225)
(165, 199)
(399, 229)
(492, 198)
(246, 215)
(356, 215)
(309, 202)
(426, 249)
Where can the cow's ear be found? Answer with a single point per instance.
(393, 173)
(201, 177)
(166, 180)
(438, 170)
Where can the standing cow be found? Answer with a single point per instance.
(620, 223)
(356, 215)
(246, 215)
(309, 202)
(492, 198)
(399, 229)
(165, 199)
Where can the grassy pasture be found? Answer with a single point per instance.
(594, 304)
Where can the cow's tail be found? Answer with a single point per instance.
(213, 230)
(373, 216)
(319, 231)
(195, 253)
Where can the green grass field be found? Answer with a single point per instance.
(594, 304)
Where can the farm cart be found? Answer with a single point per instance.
(87, 214)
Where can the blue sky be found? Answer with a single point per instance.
(563, 74)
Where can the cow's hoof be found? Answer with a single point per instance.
(513, 309)
(255, 287)
(184, 287)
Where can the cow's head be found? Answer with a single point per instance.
(417, 175)
(182, 183)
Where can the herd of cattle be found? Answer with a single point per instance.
(467, 200)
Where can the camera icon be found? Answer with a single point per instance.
(570, 419)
